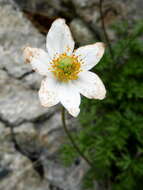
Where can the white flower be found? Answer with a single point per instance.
(67, 71)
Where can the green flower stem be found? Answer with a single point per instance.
(72, 140)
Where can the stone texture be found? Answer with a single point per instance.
(19, 171)
(65, 178)
(18, 103)
(16, 170)
(87, 11)
(15, 33)
(52, 132)
(82, 34)
(134, 8)
(32, 80)
(37, 130)
(50, 8)
(2, 127)
(84, 3)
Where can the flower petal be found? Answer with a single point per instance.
(90, 54)
(70, 98)
(48, 92)
(90, 85)
(38, 58)
(59, 39)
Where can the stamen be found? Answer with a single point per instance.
(66, 67)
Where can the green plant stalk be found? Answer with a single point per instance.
(72, 140)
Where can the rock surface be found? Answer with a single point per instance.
(84, 36)
(33, 164)
(16, 32)
(19, 103)
(87, 11)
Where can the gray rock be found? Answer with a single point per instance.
(50, 8)
(55, 123)
(18, 103)
(84, 3)
(135, 9)
(25, 127)
(2, 127)
(16, 171)
(51, 133)
(38, 132)
(16, 32)
(32, 80)
(82, 34)
(88, 11)
(65, 178)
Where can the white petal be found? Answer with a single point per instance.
(59, 39)
(48, 92)
(38, 58)
(90, 85)
(70, 98)
(90, 54)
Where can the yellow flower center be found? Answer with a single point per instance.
(66, 67)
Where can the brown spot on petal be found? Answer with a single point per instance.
(27, 60)
(28, 54)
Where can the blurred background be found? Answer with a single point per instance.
(38, 156)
